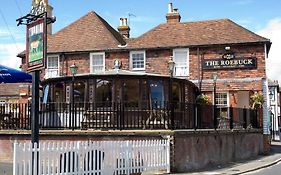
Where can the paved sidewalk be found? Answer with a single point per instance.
(246, 166)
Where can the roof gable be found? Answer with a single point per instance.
(209, 32)
(90, 32)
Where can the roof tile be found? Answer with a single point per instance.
(90, 32)
(209, 32)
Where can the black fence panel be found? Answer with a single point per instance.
(128, 115)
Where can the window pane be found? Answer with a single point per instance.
(97, 63)
(137, 60)
(53, 62)
(103, 93)
(131, 92)
(156, 93)
(221, 99)
(181, 62)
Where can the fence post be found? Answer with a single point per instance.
(172, 116)
(231, 117)
(215, 116)
(256, 120)
(195, 116)
(15, 170)
(244, 118)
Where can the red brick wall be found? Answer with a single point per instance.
(240, 51)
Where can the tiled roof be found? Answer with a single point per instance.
(90, 32)
(209, 32)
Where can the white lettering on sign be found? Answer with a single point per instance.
(35, 29)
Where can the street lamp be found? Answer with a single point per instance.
(214, 78)
(73, 69)
(272, 116)
(171, 64)
(271, 95)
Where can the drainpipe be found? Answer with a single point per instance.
(199, 63)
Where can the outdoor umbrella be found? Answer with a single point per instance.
(10, 75)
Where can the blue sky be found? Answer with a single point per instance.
(260, 16)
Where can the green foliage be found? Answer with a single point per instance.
(257, 100)
(202, 99)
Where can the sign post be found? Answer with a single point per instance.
(36, 53)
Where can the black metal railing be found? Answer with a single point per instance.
(129, 115)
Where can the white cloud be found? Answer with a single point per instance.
(8, 54)
(273, 32)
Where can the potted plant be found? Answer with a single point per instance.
(202, 99)
(257, 100)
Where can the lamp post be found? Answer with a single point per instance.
(171, 64)
(214, 78)
(73, 69)
(271, 95)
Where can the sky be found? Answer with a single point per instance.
(260, 16)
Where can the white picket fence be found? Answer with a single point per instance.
(91, 157)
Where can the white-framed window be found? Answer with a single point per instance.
(97, 62)
(52, 66)
(222, 103)
(137, 60)
(222, 99)
(181, 59)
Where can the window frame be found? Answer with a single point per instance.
(91, 61)
(227, 99)
(131, 59)
(187, 61)
(52, 68)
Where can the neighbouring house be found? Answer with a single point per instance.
(274, 103)
(14, 92)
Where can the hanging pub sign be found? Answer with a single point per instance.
(230, 62)
(35, 45)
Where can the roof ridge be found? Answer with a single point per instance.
(244, 28)
(116, 35)
(72, 23)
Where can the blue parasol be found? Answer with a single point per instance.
(10, 75)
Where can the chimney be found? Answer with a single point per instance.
(123, 28)
(173, 15)
(49, 10)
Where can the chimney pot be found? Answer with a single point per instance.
(173, 15)
(125, 22)
(176, 10)
(170, 8)
(121, 22)
(123, 28)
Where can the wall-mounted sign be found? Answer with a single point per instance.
(228, 56)
(236, 63)
(35, 45)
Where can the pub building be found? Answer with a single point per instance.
(212, 56)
